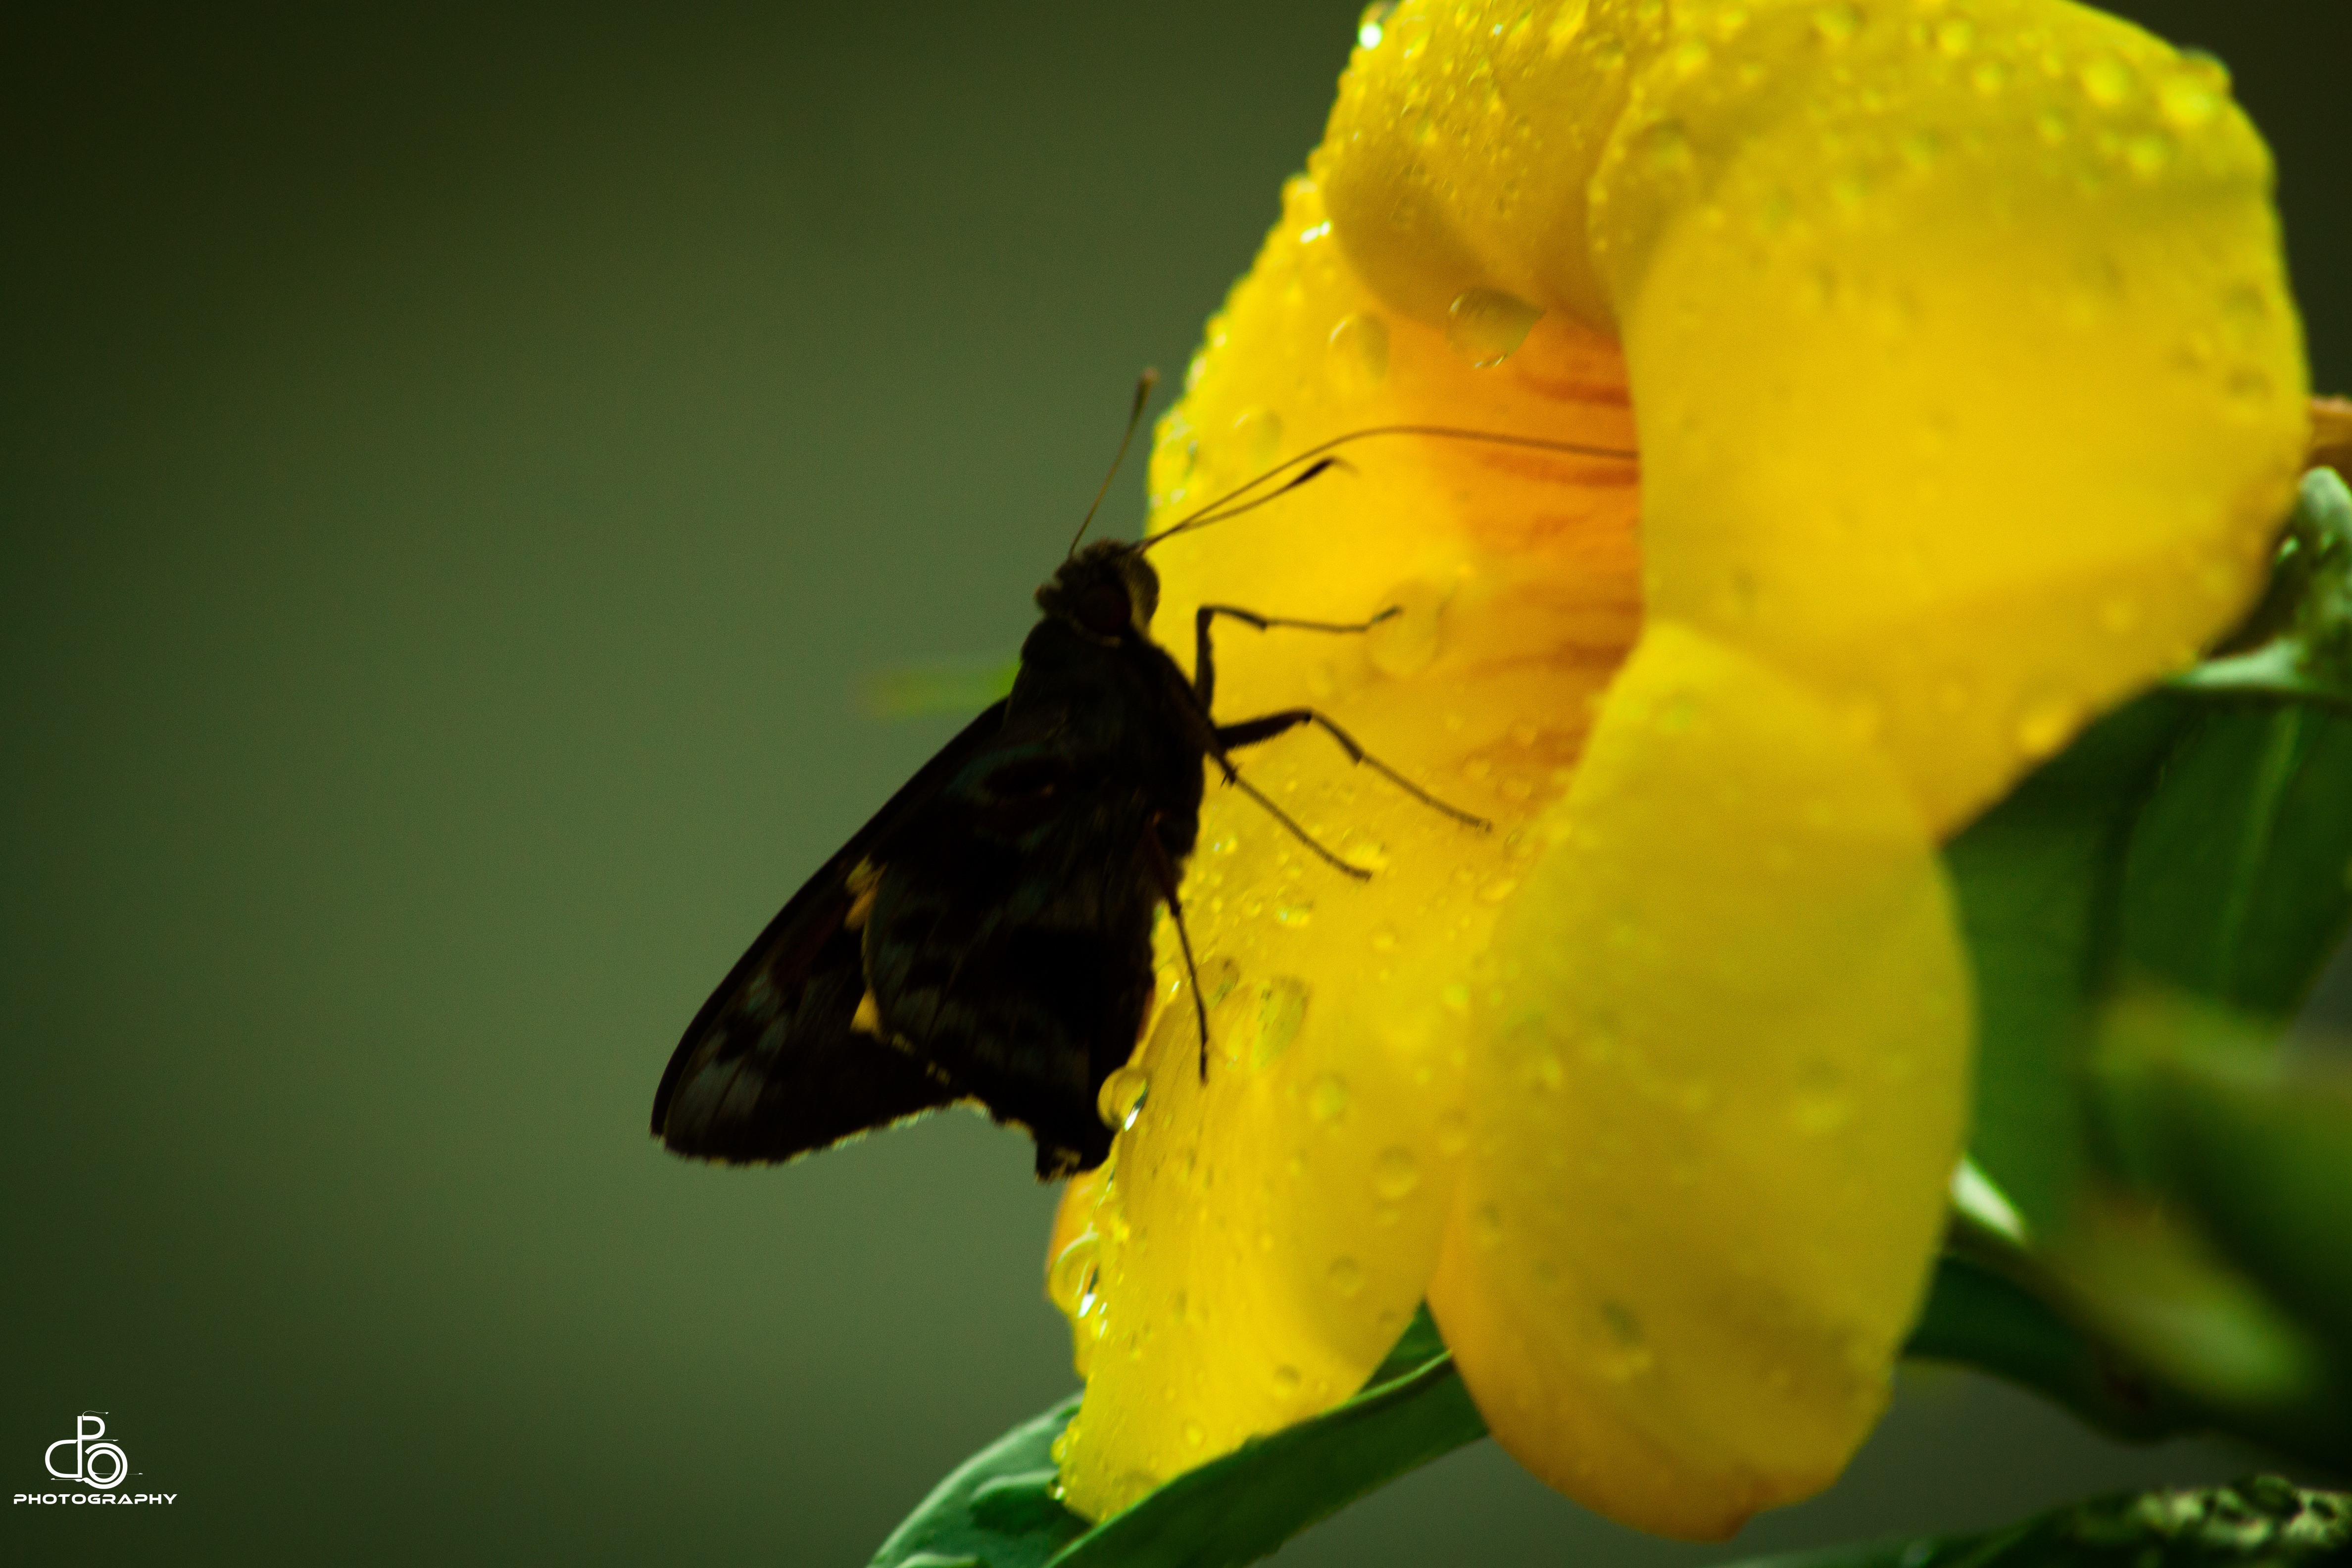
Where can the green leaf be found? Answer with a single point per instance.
(1979, 1315)
(2038, 880)
(2235, 887)
(999, 1509)
(2256, 1147)
(2260, 1520)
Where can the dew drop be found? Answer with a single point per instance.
(1836, 24)
(1120, 1098)
(1073, 1272)
(1486, 1225)
(1396, 1173)
(1259, 431)
(1372, 26)
(1327, 1101)
(2106, 81)
(1545, 1071)
(1359, 351)
(1990, 78)
(1384, 940)
(2187, 102)
(1566, 22)
(1285, 1381)
(2148, 154)
(1346, 1277)
(1955, 35)
(1487, 326)
(1281, 1012)
(2045, 725)
(1194, 1436)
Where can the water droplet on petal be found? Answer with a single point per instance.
(2045, 725)
(1406, 643)
(2148, 154)
(1259, 431)
(1281, 1012)
(2186, 102)
(1486, 1225)
(1487, 326)
(2106, 81)
(1955, 35)
(1396, 1173)
(1836, 24)
(1121, 1098)
(1359, 351)
(1194, 1436)
(1346, 1277)
(1372, 26)
(1285, 1381)
(1327, 1101)
(1072, 1271)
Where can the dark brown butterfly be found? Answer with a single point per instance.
(987, 936)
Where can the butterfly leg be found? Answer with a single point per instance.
(1250, 731)
(1204, 661)
(1165, 870)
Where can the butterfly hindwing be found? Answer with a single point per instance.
(775, 1065)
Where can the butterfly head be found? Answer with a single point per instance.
(1106, 590)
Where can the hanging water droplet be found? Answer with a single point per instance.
(1072, 1272)
(2044, 725)
(1372, 26)
(1346, 1277)
(1487, 326)
(2106, 81)
(1120, 1098)
(1359, 351)
(1396, 1173)
(1327, 1101)
(1836, 24)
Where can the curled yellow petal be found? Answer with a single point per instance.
(1718, 1086)
(1265, 1236)
(1968, 383)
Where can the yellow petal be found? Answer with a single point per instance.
(1265, 1236)
(1718, 1088)
(1969, 383)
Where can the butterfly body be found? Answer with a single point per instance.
(987, 936)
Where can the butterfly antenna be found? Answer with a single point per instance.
(1242, 497)
(1143, 385)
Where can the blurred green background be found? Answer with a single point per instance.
(457, 465)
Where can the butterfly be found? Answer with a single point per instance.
(987, 936)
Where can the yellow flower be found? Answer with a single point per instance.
(1967, 391)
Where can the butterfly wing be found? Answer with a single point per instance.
(774, 1067)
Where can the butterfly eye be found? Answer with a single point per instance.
(1103, 609)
